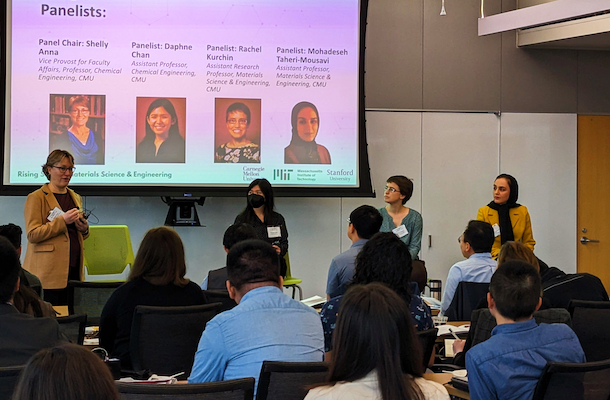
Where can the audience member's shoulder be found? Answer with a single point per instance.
(557, 329)
(432, 390)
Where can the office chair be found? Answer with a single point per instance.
(164, 339)
(89, 298)
(9, 376)
(427, 339)
(591, 323)
(466, 298)
(289, 380)
(236, 389)
(73, 327)
(213, 296)
(107, 251)
(578, 381)
(290, 281)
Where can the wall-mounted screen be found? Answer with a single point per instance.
(187, 96)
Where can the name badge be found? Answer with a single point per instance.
(496, 230)
(274, 232)
(54, 213)
(401, 231)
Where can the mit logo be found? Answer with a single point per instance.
(281, 174)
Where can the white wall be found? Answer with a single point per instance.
(538, 149)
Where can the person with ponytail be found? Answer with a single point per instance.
(377, 353)
(269, 225)
(510, 220)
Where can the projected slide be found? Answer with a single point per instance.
(184, 92)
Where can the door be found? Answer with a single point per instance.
(593, 202)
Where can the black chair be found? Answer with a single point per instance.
(591, 323)
(89, 298)
(289, 380)
(585, 381)
(8, 380)
(427, 339)
(466, 298)
(164, 339)
(213, 296)
(237, 389)
(73, 327)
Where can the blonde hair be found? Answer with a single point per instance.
(55, 157)
(517, 251)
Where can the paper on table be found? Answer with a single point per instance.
(444, 329)
(314, 301)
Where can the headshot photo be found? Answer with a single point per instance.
(237, 130)
(77, 124)
(160, 130)
(303, 149)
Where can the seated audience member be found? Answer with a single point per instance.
(27, 298)
(419, 277)
(21, 335)
(384, 259)
(559, 288)
(66, 372)
(510, 251)
(508, 365)
(156, 279)
(13, 233)
(363, 223)
(378, 354)
(475, 245)
(265, 325)
(217, 278)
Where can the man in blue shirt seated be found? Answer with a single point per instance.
(475, 245)
(217, 278)
(508, 365)
(265, 325)
(363, 223)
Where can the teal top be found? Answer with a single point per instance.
(414, 224)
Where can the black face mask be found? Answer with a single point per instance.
(256, 200)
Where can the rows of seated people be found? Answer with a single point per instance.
(268, 325)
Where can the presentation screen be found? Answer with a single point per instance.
(186, 97)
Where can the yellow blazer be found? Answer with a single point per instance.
(48, 252)
(519, 219)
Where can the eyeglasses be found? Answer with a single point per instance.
(234, 121)
(64, 169)
(77, 111)
(389, 189)
(258, 192)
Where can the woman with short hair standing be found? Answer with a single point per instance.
(405, 222)
(55, 228)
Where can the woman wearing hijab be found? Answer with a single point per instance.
(511, 221)
(303, 148)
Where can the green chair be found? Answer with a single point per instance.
(107, 253)
(290, 281)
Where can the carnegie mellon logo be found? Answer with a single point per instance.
(281, 174)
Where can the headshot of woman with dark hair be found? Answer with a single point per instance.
(163, 142)
(156, 279)
(378, 355)
(80, 140)
(260, 213)
(384, 259)
(303, 148)
(239, 149)
(510, 220)
(65, 372)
